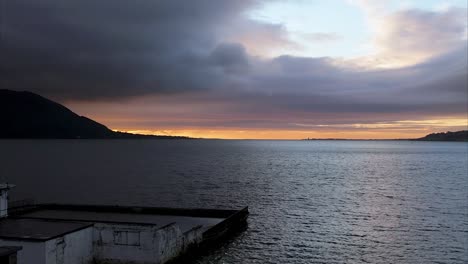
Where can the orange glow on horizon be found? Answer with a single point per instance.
(282, 134)
(273, 134)
(404, 129)
(142, 118)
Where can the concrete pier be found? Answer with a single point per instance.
(81, 234)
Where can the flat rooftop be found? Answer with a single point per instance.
(37, 229)
(185, 223)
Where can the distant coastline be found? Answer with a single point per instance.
(457, 136)
(460, 136)
(26, 115)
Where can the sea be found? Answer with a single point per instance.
(309, 201)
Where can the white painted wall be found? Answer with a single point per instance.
(122, 243)
(3, 203)
(170, 242)
(32, 252)
(73, 248)
(109, 243)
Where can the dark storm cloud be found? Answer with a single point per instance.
(101, 49)
(110, 50)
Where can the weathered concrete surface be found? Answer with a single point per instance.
(184, 222)
(73, 248)
(130, 235)
(124, 243)
(37, 229)
(110, 243)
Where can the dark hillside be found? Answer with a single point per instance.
(448, 136)
(28, 115)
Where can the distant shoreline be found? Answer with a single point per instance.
(156, 138)
(457, 136)
(25, 115)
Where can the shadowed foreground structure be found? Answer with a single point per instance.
(83, 234)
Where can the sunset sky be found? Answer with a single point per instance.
(245, 69)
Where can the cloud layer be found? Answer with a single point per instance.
(103, 49)
(199, 54)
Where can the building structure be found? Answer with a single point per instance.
(83, 234)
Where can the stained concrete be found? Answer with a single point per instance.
(73, 248)
(113, 234)
(185, 223)
(37, 229)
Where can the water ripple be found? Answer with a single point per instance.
(310, 202)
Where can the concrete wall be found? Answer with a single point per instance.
(125, 243)
(73, 248)
(168, 243)
(110, 243)
(32, 252)
(171, 243)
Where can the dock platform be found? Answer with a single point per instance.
(64, 233)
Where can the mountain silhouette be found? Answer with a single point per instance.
(28, 115)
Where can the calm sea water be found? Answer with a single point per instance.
(310, 201)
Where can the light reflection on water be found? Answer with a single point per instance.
(310, 201)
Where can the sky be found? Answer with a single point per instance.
(246, 69)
